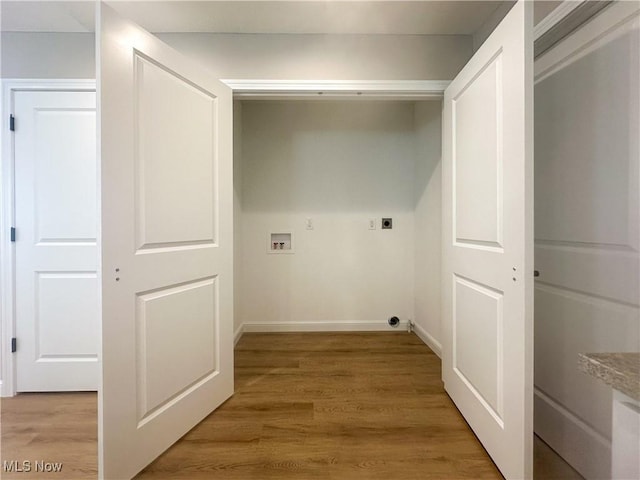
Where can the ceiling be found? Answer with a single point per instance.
(421, 17)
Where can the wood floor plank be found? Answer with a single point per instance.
(50, 427)
(331, 406)
(326, 406)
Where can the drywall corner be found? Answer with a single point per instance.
(237, 215)
(427, 198)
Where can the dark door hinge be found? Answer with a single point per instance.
(12, 123)
(14, 345)
(13, 234)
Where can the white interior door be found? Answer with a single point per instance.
(488, 243)
(587, 224)
(166, 166)
(57, 317)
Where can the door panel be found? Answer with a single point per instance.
(167, 245)
(488, 243)
(57, 317)
(175, 197)
(477, 167)
(477, 331)
(175, 354)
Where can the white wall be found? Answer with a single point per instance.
(237, 212)
(339, 163)
(326, 57)
(491, 23)
(47, 55)
(427, 198)
(341, 57)
(335, 57)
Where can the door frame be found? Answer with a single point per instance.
(248, 89)
(7, 215)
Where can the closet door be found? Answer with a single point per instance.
(488, 243)
(57, 318)
(166, 163)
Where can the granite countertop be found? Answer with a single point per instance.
(620, 370)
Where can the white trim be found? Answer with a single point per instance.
(7, 214)
(611, 23)
(555, 17)
(328, 326)
(238, 335)
(428, 339)
(571, 437)
(322, 89)
(601, 439)
(338, 326)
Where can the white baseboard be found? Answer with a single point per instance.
(431, 342)
(585, 449)
(338, 326)
(328, 326)
(238, 335)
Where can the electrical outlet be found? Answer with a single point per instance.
(309, 223)
(372, 224)
(387, 223)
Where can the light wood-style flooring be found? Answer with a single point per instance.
(307, 406)
(50, 427)
(331, 406)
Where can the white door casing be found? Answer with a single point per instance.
(488, 243)
(56, 280)
(167, 293)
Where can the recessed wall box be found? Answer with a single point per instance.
(280, 242)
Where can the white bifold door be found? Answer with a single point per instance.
(166, 176)
(57, 311)
(488, 243)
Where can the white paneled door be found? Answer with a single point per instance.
(57, 313)
(488, 243)
(587, 217)
(166, 166)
